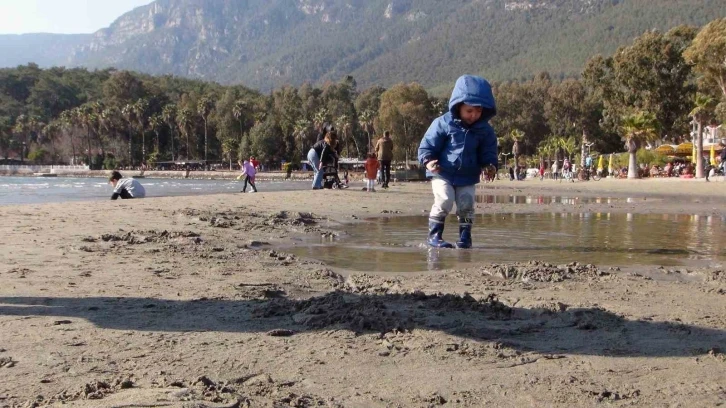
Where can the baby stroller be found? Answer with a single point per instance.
(331, 178)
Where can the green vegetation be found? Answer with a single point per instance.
(644, 94)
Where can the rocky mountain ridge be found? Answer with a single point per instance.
(269, 43)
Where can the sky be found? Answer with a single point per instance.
(61, 16)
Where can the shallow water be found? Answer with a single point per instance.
(396, 244)
(575, 199)
(544, 200)
(37, 190)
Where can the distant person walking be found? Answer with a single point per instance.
(126, 188)
(248, 172)
(384, 152)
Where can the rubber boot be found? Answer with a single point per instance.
(436, 230)
(464, 241)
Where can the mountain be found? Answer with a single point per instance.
(269, 43)
(43, 49)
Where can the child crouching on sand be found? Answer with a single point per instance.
(126, 188)
(457, 147)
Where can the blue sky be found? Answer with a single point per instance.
(61, 16)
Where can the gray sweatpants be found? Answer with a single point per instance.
(445, 195)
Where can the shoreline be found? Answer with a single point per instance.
(181, 301)
(193, 175)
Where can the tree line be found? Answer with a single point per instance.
(647, 92)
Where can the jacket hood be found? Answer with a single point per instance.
(474, 91)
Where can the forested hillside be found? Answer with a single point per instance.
(265, 44)
(110, 118)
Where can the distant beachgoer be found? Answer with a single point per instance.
(126, 188)
(322, 152)
(372, 165)
(384, 152)
(255, 164)
(324, 130)
(248, 172)
(457, 147)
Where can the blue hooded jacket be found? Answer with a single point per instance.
(462, 150)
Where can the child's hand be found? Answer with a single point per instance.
(433, 166)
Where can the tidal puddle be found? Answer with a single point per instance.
(396, 244)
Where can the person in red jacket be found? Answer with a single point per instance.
(372, 165)
(255, 163)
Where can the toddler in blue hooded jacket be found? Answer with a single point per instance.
(457, 147)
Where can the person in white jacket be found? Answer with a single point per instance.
(126, 188)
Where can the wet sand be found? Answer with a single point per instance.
(176, 302)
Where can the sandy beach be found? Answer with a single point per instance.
(192, 302)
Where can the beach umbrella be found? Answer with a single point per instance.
(610, 164)
(666, 150)
(599, 164)
(713, 156)
(684, 149)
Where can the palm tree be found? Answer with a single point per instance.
(129, 113)
(638, 128)
(5, 135)
(568, 145)
(168, 113)
(86, 118)
(321, 117)
(140, 108)
(204, 109)
(238, 111)
(51, 131)
(701, 113)
(34, 127)
(228, 147)
(345, 125)
(302, 126)
(342, 124)
(99, 124)
(67, 121)
(366, 120)
(156, 123)
(546, 150)
(184, 121)
(22, 126)
(109, 120)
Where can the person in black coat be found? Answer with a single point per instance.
(323, 152)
